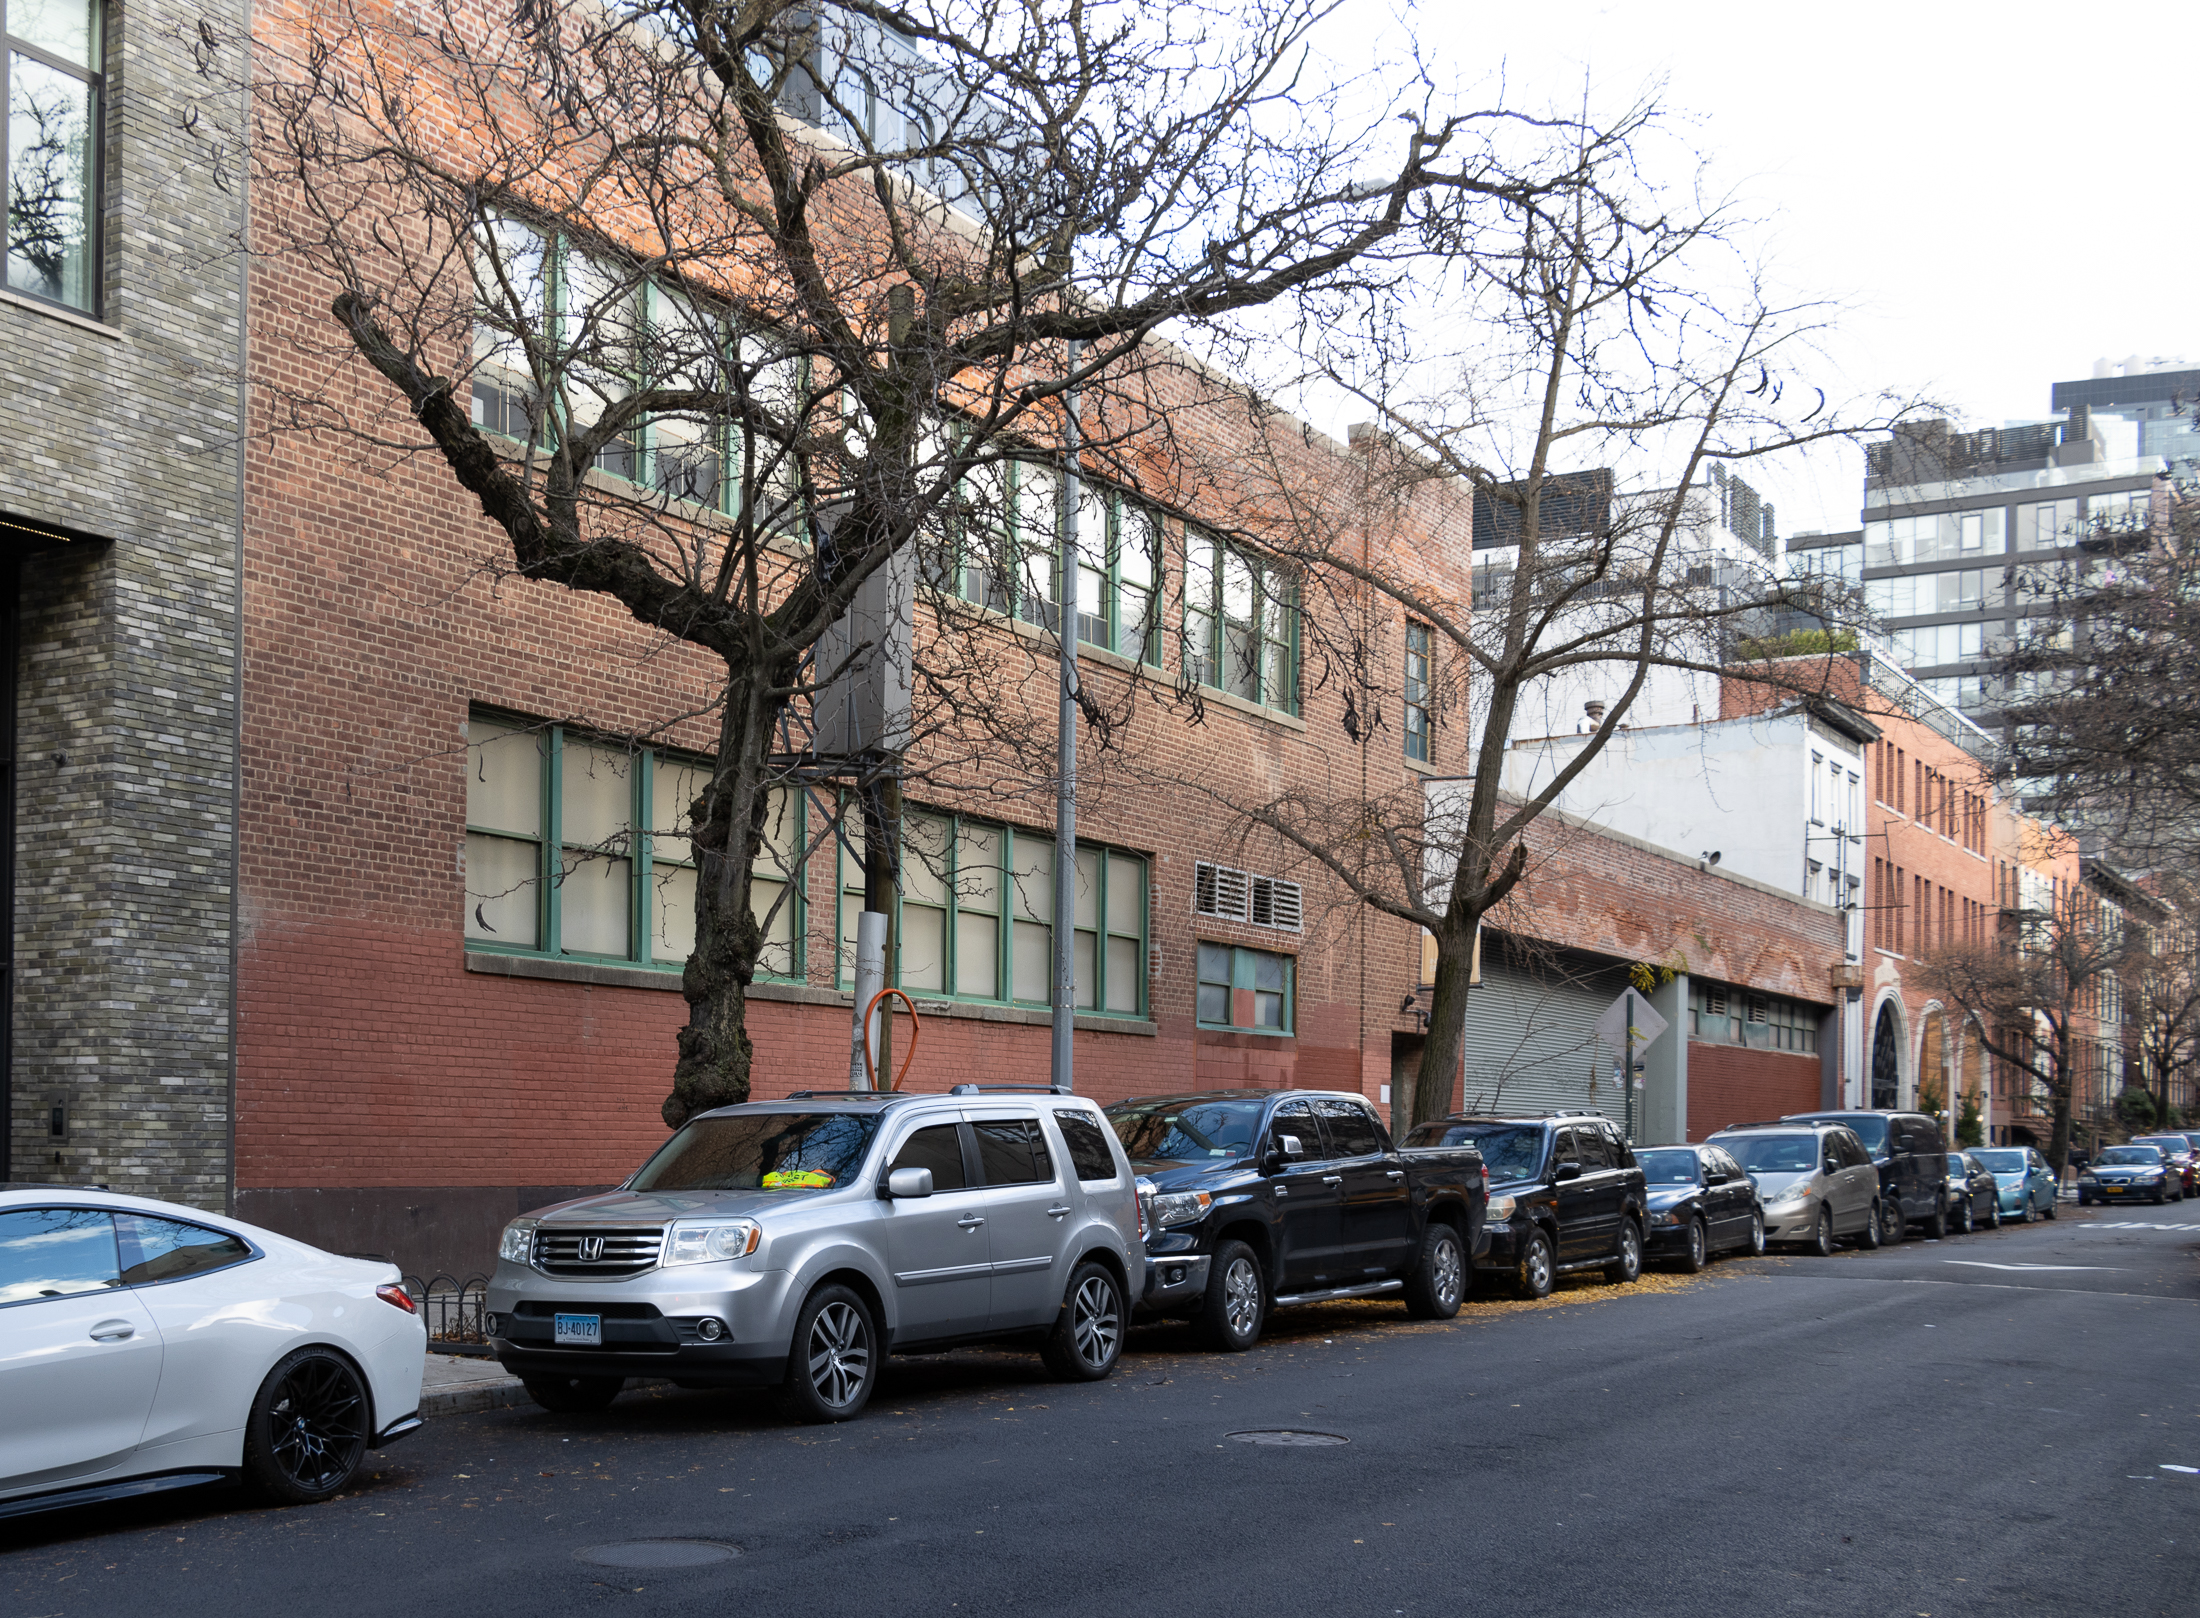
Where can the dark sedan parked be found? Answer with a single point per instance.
(1974, 1195)
(2177, 1152)
(1700, 1203)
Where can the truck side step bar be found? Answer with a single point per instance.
(1371, 1287)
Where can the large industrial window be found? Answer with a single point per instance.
(576, 846)
(975, 915)
(1417, 691)
(1241, 623)
(1245, 988)
(49, 148)
(1008, 545)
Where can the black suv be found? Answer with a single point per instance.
(1565, 1194)
(1912, 1158)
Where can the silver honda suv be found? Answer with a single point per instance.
(795, 1243)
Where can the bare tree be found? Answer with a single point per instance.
(2038, 996)
(1599, 364)
(2162, 997)
(724, 309)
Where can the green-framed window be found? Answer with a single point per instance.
(1008, 548)
(974, 916)
(1419, 650)
(1252, 989)
(1241, 622)
(575, 848)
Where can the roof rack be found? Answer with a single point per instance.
(1764, 1123)
(835, 1095)
(1574, 1112)
(1005, 1089)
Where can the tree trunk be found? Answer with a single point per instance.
(1447, 1025)
(715, 1052)
(2058, 1140)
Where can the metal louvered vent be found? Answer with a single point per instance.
(597, 1252)
(1275, 903)
(1218, 890)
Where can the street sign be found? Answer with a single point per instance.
(1632, 1007)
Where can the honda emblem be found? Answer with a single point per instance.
(591, 1249)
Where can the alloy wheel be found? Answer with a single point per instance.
(1449, 1271)
(318, 1423)
(1095, 1323)
(839, 1355)
(1241, 1295)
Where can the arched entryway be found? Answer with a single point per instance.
(1887, 1059)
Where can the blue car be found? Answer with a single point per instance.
(2025, 1184)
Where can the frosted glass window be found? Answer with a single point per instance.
(504, 778)
(673, 911)
(597, 796)
(1031, 878)
(503, 890)
(595, 904)
(977, 955)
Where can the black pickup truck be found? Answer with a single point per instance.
(1255, 1199)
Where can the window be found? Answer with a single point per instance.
(939, 1149)
(1088, 1146)
(155, 1250)
(56, 1253)
(1817, 811)
(1294, 1120)
(1417, 692)
(571, 850)
(1011, 1151)
(50, 148)
(1008, 545)
(1241, 623)
(976, 908)
(2049, 525)
(1352, 1129)
(1244, 988)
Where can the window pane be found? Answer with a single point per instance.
(938, 1149)
(977, 954)
(1275, 676)
(50, 183)
(673, 789)
(597, 795)
(155, 1250)
(1032, 962)
(1214, 1002)
(923, 948)
(1081, 948)
(1126, 894)
(1006, 1154)
(1214, 964)
(1268, 970)
(1140, 543)
(1032, 878)
(501, 892)
(56, 1253)
(67, 28)
(594, 899)
(672, 911)
(1088, 1147)
(978, 868)
(924, 840)
(503, 778)
(1088, 885)
(1123, 974)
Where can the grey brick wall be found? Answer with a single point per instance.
(123, 430)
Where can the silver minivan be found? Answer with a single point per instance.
(795, 1243)
(1816, 1182)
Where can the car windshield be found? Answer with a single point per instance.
(1509, 1151)
(1775, 1154)
(1870, 1128)
(2168, 1143)
(1669, 1167)
(2146, 1156)
(1179, 1131)
(2002, 1162)
(773, 1151)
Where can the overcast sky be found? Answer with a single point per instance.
(1998, 196)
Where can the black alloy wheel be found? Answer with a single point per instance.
(1538, 1269)
(308, 1427)
(1626, 1265)
(1936, 1228)
(1698, 1252)
(1756, 1247)
(1892, 1226)
(1235, 1305)
(1868, 1238)
(573, 1395)
(1087, 1339)
(835, 1361)
(1821, 1236)
(1438, 1282)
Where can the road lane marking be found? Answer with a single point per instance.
(2170, 1466)
(1981, 1264)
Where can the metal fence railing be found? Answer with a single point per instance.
(453, 1311)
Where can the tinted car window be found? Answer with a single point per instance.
(1849, 1150)
(768, 1151)
(168, 1249)
(1011, 1152)
(1295, 1120)
(939, 1149)
(1088, 1146)
(56, 1253)
(1673, 1166)
(1591, 1149)
(1777, 1154)
(1616, 1147)
(1511, 1151)
(1174, 1132)
(1352, 1129)
(2143, 1156)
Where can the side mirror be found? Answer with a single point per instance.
(909, 1183)
(1716, 1176)
(1833, 1165)
(1567, 1171)
(1292, 1145)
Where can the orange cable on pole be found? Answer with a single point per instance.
(870, 1068)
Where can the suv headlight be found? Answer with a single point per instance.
(1181, 1207)
(518, 1243)
(1502, 1207)
(711, 1243)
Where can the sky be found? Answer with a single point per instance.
(1996, 197)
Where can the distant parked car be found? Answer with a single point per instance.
(1910, 1153)
(2178, 1154)
(2131, 1173)
(1700, 1203)
(1974, 1197)
(145, 1345)
(1814, 1180)
(2025, 1185)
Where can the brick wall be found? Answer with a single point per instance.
(1728, 1084)
(121, 430)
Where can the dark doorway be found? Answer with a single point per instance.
(1886, 1061)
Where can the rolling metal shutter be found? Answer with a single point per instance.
(1531, 1042)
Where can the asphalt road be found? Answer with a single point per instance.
(1985, 1425)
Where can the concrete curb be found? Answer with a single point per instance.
(499, 1393)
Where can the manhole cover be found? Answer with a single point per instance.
(1287, 1436)
(658, 1553)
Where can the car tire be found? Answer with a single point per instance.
(1936, 1228)
(1867, 1239)
(1087, 1338)
(2160, 1196)
(2053, 1207)
(1892, 1226)
(833, 1362)
(1538, 1270)
(1963, 1221)
(1438, 1282)
(307, 1429)
(1696, 1256)
(1821, 1236)
(2031, 1208)
(1993, 1213)
(1756, 1246)
(573, 1395)
(1626, 1265)
(1235, 1305)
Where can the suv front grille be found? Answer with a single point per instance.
(616, 1252)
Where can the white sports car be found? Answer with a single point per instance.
(148, 1346)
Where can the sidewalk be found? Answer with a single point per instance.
(459, 1384)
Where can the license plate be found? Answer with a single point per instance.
(577, 1331)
